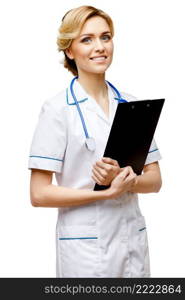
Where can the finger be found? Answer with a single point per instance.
(111, 161)
(97, 175)
(101, 171)
(100, 164)
(124, 173)
(131, 177)
(106, 167)
(126, 167)
(130, 168)
(96, 180)
(121, 169)
(132, 174)
(127, 171)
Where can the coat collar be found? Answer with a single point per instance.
(81, 95)
(87, 102)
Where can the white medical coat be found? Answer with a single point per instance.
(105, 238)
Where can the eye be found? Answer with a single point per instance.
(86, 40)
(106, 37)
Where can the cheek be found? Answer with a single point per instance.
(82, 52)
(111, 49)
(82, 55)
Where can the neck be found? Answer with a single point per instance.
(94, 85)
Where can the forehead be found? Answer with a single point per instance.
(95, 24)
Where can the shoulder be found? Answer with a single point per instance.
(56, 103)
(128, 97)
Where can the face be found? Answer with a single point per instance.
(92, 50)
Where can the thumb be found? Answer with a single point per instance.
(110, 161)
(124, 173)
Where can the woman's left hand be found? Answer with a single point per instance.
(105, 171)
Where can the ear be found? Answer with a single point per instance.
(69, 53)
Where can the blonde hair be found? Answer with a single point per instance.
(71, 25)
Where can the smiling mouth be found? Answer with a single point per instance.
(99, 58)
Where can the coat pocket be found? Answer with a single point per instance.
(77, 251)
(138, 248)
(143, 245)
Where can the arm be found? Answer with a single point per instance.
(150, 181)
(44, 194)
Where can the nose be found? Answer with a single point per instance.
(99, 46)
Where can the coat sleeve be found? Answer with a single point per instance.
(49, 140)
(153, 153)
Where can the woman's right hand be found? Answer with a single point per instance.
(123, 182)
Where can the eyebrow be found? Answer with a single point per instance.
(92, 34)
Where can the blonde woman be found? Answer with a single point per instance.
(98, 233)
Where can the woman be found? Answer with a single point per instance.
(99, 233)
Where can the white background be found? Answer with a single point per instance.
(148, 63)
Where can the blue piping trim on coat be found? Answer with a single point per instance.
(37, 156)
(79, 238)
(153, 150)
(142, 228)
(67, 99)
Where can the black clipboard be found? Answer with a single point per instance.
(132, 132)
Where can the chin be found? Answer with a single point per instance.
(100, 70)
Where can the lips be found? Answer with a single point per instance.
(99, 58)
